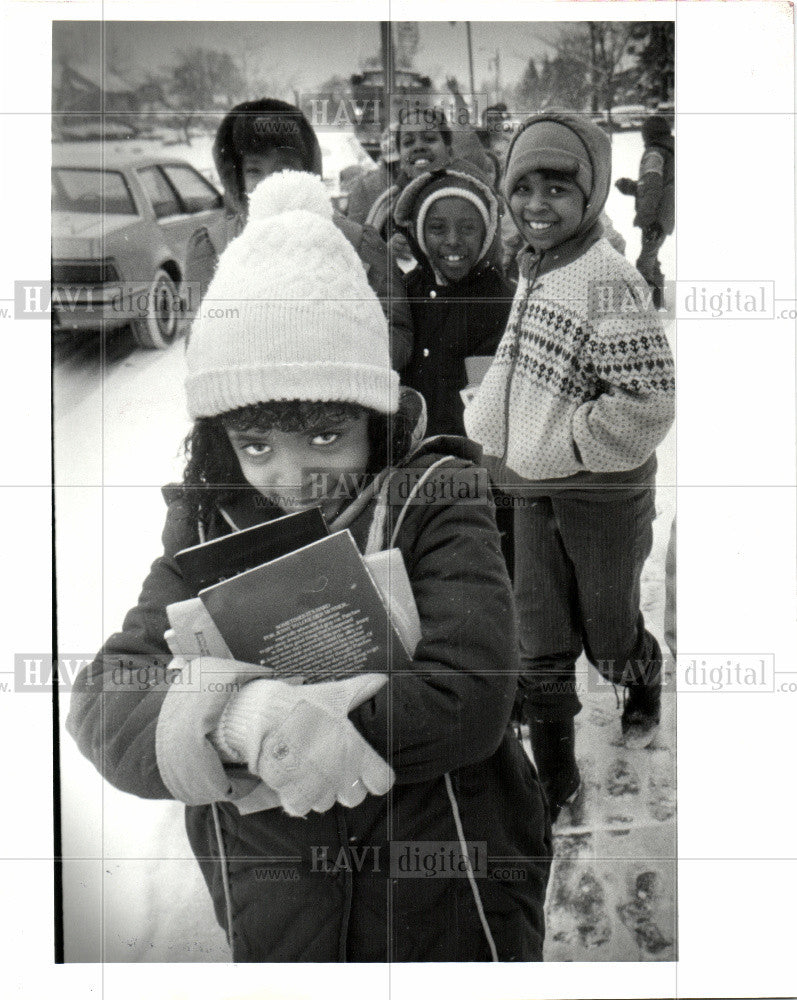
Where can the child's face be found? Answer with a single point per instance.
(288, 467)
(548, 207)
(454, 233)
(421, 150)
(257, 166)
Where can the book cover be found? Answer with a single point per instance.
(315, 613)
(209, 562)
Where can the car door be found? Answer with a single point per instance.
(174, 223)
(191, 217)
(209, 233)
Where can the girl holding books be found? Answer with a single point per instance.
(400, 798)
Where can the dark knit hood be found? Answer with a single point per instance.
(656, 132)
(599, 149)
(256, 127)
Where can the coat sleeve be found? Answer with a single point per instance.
(141, 716)
(631, 360)
(387, 281)
(452, 707)
(361, 197)
(649, 188)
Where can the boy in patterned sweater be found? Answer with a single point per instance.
(579, 395)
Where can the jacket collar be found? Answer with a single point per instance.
(549, 260)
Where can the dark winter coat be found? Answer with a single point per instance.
(365, 191)
(384, 276)
(334, 899)
(451, 321)
(655, 189)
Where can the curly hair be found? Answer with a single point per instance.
(213, 474)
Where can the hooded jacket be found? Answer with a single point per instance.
(582, 389)
(351, 895)
(291, 129)
(452, 320)
(365, 191)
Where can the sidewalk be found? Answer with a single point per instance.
(612, 894)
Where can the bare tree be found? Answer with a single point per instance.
(602, 50)
(203, 81)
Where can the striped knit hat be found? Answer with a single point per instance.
(292, 314)
(458, 180)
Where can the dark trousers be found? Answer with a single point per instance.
(648, 264)
(578, 565)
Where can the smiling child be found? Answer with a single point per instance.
(458, 297)
(569, 416)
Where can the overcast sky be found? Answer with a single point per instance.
(302, 55)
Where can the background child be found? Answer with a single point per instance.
(458, 297)
(300, 380)
(654, 194)
(459, 300)
(263, 137)
(423, 145)
(569, 416)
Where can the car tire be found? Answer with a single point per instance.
(164, 319)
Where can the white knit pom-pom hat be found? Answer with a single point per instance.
(302, 321)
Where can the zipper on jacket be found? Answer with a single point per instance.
(516, 352)
(343, 833)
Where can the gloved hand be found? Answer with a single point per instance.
(625, 185)
(400, 248)
(299, 741)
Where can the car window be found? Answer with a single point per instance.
(91, 192)
(196, 194)
(157, 189)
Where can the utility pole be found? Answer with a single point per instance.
(388, 72)
(470, 62)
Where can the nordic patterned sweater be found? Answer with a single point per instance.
(582, 387)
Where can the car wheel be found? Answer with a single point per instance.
(163, 320)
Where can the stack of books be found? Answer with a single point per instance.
(297, 601)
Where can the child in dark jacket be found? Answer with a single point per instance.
(299, 382)
(259, 138)
(569, 415)
(654, 194)
(459, 299)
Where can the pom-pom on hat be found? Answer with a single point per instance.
(289, 313)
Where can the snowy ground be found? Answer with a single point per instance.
(132, 890)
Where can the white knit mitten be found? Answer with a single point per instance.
(300, 742)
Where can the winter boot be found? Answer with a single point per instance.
(641, 715)
(553, 743)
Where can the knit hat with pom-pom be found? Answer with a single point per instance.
(289, 313)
